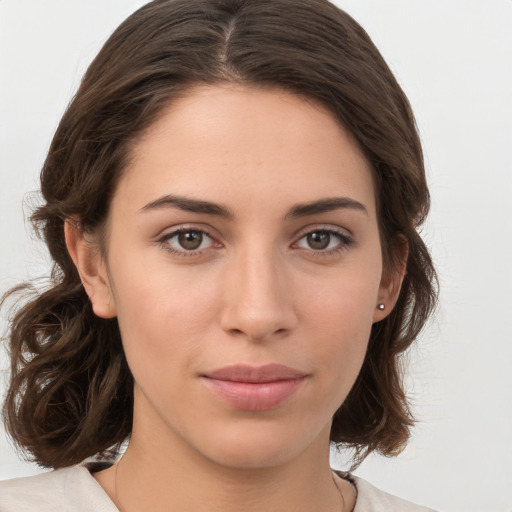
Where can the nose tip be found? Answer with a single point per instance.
(258, 302)
(257, 329)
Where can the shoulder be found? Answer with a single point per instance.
(72, 489)
(371, 499)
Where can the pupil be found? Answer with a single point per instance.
(190, 239)
(319, 240)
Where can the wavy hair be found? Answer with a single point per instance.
(71, 392)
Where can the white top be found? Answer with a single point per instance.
(74, 489)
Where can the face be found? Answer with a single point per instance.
(244, 266)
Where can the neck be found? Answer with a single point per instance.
(158, 482)
(160, 472)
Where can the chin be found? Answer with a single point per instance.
(252, 457)
(258, 447)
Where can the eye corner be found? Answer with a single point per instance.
(178, 247)
(331, 241)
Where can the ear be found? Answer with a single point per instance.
(91, 267)
(391, 282)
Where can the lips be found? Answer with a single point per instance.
(254, 388)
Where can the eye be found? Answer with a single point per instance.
(186, 240)
(326, 240)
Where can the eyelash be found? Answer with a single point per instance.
(164, 241)
(345, 241)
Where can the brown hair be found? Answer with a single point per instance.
(71, 391)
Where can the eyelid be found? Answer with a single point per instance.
(322, 226)
(170, 232)
(345, 237)
(204, 228)
(332, 228)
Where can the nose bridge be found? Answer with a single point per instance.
(257, 293)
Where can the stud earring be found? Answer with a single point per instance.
(381, 306)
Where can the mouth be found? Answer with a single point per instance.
(253, 388)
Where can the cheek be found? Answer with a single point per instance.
(340, 317)
(345, 302)
(162, 314)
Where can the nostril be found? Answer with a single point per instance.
(257, 336)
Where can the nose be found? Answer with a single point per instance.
(258, 297)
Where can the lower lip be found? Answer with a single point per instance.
(250, 396)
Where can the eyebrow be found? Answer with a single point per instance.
(188, 204)
(327, 204)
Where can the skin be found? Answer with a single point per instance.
(256, 291)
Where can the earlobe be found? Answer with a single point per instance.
(391, 284)
(91, 267)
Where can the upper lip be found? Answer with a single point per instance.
(255, 374)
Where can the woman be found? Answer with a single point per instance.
(232, 202)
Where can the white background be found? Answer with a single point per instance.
(454, 60)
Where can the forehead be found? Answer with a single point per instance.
(247, 145)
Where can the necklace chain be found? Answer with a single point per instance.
(342, 499)
(118, 502)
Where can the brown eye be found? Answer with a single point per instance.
(325, 241)
(190, 240)
(319, 240)
(185, 241)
